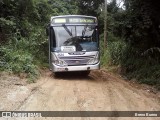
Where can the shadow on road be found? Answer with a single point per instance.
(72, 76)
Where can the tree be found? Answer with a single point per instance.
(89, 7)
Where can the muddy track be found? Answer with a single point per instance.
(100, 91)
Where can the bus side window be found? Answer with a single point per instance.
(53, 40)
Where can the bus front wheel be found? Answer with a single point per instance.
(57, 74)
(85, 73)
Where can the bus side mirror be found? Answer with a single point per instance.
(47, 29)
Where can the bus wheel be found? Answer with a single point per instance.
(57, 74)
(85, 73)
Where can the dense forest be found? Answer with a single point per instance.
(133, 35)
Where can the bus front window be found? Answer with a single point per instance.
(84, 38)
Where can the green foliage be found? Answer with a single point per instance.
(17, 60)
(63, 7)
(133, 40)
(23, 40)
(140, 30)
(141, 66)
(5, 22)
(114, 52)
(141, 26)
(89, 7)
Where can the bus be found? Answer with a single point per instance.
(73, 44)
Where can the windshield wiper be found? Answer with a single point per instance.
(69, 32)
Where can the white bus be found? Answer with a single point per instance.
(73, 43)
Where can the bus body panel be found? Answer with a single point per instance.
(74, 61)
(56, 68)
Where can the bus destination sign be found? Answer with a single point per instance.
(73, 20)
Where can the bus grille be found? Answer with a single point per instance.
(77, 60)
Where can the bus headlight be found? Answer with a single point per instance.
(60, 62)
(57, 61)
(94, 60)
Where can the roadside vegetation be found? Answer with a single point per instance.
(133, 35)
(134, 40)
(23, 40)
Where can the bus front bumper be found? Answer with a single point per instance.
(56, 68)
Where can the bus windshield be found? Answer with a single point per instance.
(77, 38)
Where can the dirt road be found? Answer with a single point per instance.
(100, 91)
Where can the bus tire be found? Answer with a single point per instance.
(85, 73)
(57, 74)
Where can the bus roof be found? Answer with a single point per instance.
(73, 16)
(73, 19)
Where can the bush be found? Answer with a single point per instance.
(113, 54)
(116, 50)
(142, 67)
(16, 58)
